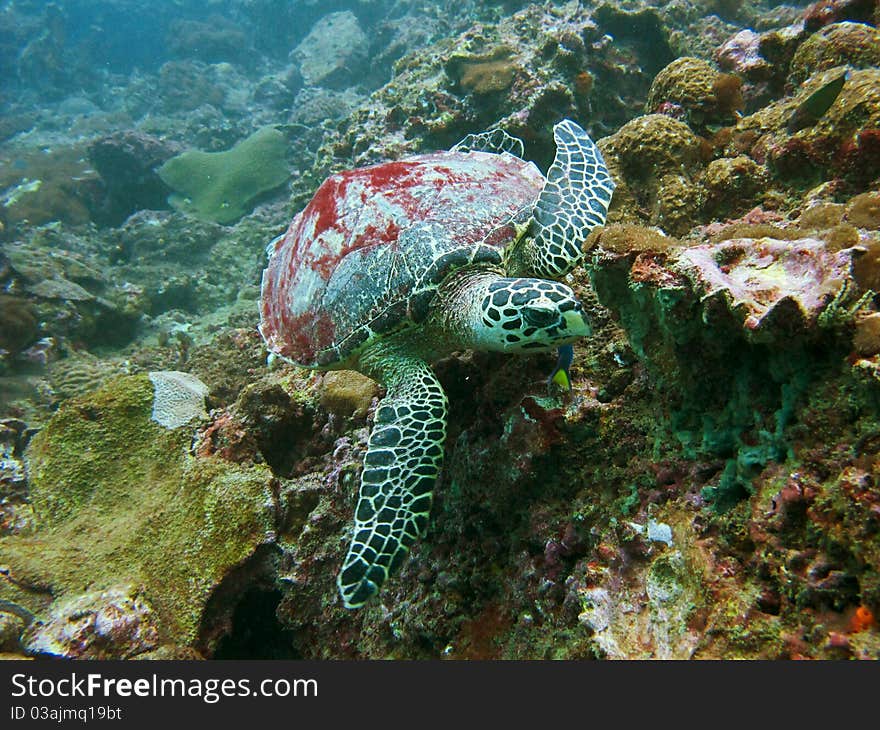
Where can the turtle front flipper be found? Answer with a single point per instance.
(574, 200)
(400, 468)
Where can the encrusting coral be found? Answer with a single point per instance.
(178, 398)
(221, 186)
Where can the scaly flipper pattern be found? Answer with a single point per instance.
(403, 460)
(574, 201)
(496, 141)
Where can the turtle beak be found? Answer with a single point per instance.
(576, 323)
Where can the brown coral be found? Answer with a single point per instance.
(866, 339)
(733, 185)
(853, 44)
(866, 267)
(626, 238)
(347, 394)
(649, 146)
(863, 211)
(697, 87)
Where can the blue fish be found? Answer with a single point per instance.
(561, 375)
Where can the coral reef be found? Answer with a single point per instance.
(841, 144)
(213, 39)
(42, 186)
(654, 159)
(709, 487)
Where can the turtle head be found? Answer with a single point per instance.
(529, 315)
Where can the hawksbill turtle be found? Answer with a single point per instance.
(393, 266)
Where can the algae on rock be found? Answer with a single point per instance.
(120, 499)
(222, 186)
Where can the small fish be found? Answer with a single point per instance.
(813, 108)
(561, 375)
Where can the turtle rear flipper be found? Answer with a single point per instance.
(400, 468)
(574, 201)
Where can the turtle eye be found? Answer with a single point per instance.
(539, 316)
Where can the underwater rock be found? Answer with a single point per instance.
(68, 292)
(115, 623)
(333, 51)
(185, 86)
(395, 37)
(624, 627)
(11, 628)
(127, 162)
(121, 500)
(280, 413)
(42, 62)
(824, 12)
(159, 237)
(211, 40)
(853, 44)
(13, 474)
(221, 186)
(761, 59)
(15, 511)
(522, 73)
(316, 105)
(39, 186)
(19, 326)
(742, 53)
(278, 91)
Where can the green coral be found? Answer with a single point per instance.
(119, 499)
(222, 186)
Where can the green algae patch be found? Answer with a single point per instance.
(120, 499)
(222, 186)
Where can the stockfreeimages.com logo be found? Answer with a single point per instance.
(208, 690)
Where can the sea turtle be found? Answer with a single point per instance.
(393, 266)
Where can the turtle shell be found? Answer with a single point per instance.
(367, 253)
